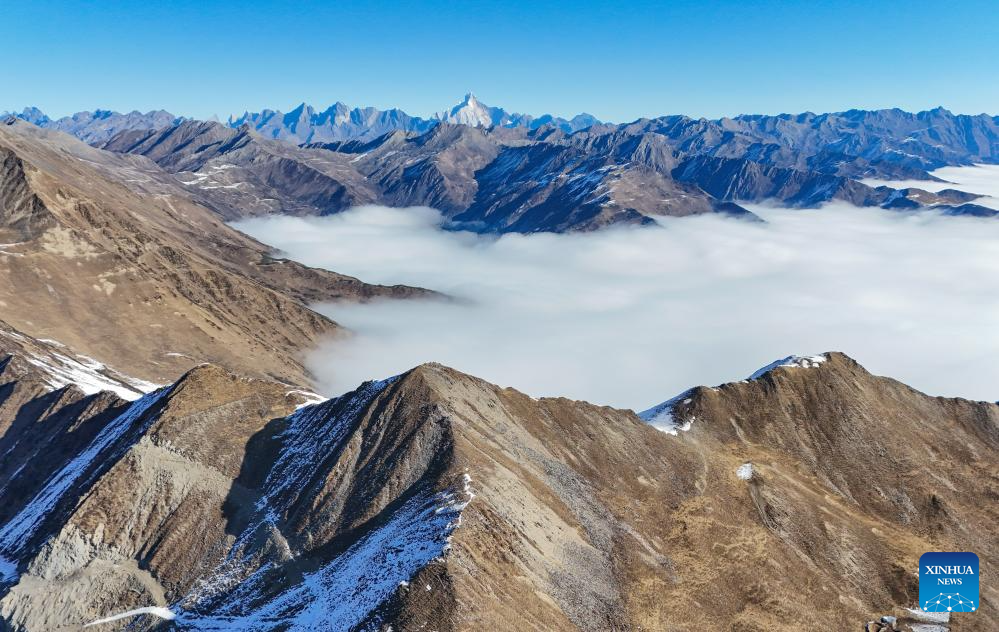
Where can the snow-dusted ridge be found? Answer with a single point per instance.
(15, 534)
(662, 416)
(60, 368)
(342, 593)
(792, 361)
(309, 398)
(240, 594)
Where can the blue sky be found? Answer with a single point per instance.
(616, 60)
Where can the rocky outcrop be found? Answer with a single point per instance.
(23, 216)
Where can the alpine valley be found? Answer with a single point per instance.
(167, 465)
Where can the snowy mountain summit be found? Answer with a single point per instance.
(474, 113)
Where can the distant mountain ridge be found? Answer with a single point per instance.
(492, 171)
(339, 122)
(100, 125)
(515, 179)
(304, 123)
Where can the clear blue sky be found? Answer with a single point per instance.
(617, 60)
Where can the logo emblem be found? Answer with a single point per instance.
(948, 582)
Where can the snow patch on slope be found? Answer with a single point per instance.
(311, 435)
(661, 417)
(162, 613)
(8, 571)
(313, 432)
(61, 368)
(929, 621)
(88, 374)
(343, 593)
(309, 398)
(803, 362)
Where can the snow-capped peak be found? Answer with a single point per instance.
(803, 362)
(474, 113)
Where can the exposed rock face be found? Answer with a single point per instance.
(23, 216)
(110, 255)
(435, 500)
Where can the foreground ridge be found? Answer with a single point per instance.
(434, 499)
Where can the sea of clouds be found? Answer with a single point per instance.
(983, 179)
(631, 316)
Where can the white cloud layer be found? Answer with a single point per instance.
(982, 179)
(630, 317)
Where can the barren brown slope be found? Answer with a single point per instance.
(585, 518)
(438, 501)
(42, 428)
(108, 254)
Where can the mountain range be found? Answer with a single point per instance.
(304, 124)
(491, 171)
(166, 466)
(803, 495)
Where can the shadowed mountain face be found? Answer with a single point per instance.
(435, 500)
(109, 254)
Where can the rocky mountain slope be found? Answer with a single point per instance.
(802, 496)
(110, 255)
(57, 366)
(515, 179)
(490, 170)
